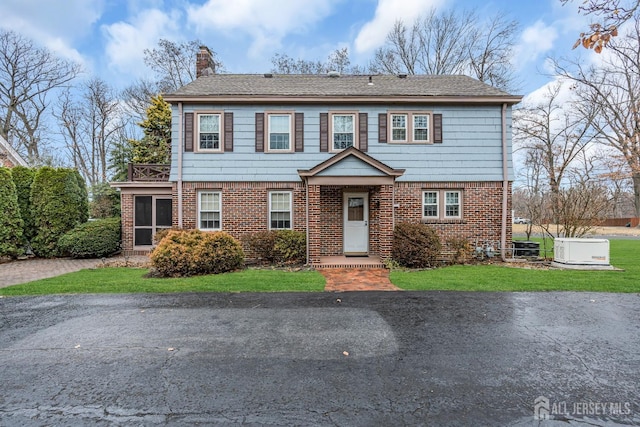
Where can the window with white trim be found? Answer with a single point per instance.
(442, 204)
(410, 127)
(209, 132)
(343, 131)
(279, 131)
(280, 210)
(209, 210)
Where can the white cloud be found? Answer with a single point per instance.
(374, 33)
(266, 22)
(536, 40)
(126, 41)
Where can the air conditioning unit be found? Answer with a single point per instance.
(575, 251)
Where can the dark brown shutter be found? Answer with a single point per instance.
(188, 132)
(324, 132)
(259, 132)
(382, 127)
(363, 130)
(299, 132)
(228, 132)
(437, 128)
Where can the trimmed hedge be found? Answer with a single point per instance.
(93, 239)
(105, 202)
(278, 246)
(415, 245)
(59, 203)
(23, 178)
(183, 253)
(10, 220)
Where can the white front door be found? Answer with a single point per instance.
(356, 224)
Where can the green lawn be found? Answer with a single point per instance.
(624, 254)
(132, 280)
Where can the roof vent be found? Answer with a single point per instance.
(333, 74)
(402, 76)
(370, 81)
(268, 75)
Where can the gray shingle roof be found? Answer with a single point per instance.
(294, 85)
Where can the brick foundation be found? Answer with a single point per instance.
(245, 211)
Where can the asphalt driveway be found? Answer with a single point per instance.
(363, 359)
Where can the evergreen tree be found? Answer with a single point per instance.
(10, 220)
(155, 146)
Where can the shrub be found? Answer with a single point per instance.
(193, 252)
(461, 250)
(10, 220)
(59, 203)
(92, 239)
(23, 178)
(105, 202)
(278, 246)
(415, 245)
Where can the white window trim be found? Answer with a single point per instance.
(220, 115)
(406, 128)
(200, 193)
(356, 142)
(437, 204)
(442, 205)
(290, 193)
(410, 130)
(267, 124)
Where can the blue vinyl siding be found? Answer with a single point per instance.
(471, 148)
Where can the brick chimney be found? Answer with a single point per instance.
(204, 62)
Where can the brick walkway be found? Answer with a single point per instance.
(367, 279)
(16, 272)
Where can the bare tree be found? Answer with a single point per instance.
(174, 63)
(613, 13)
(90, 128)
(451, 42)
(28, 75)
(338, 60)
(614, 87)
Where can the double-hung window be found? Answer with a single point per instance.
(209, 134)
(343, 131)
(442, 204)
(280, 210)
(279, 131)
(410, 127)
(209, 210)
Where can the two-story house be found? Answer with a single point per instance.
(340, 157)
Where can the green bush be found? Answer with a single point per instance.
(183, 253)
(59, 203)
(105, 202)
(93, 239)
(23, 178)
(415, 245)
(278, 246)
(10, 220)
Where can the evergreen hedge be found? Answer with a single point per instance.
(59, 202)
(10, 220)
(23, 178)
(93, 239)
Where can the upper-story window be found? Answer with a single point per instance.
(279, 132)
(209, 134)
(343, 131)
(410, 127)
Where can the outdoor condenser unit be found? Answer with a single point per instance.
(581, 251)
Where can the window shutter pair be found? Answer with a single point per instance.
(298, 132)
(190, 133)
(363, 132)
(436, 133)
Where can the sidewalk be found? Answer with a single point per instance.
(16, 272)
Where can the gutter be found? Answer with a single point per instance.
(180, 145)
(505, 185)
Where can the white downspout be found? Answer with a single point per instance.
(180, 145)
(505, 185)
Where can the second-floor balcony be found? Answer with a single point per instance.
(148, 172)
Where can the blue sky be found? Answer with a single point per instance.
(108, 36)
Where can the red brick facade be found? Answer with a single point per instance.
(245, 211)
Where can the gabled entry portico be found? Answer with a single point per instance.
(349, 206)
